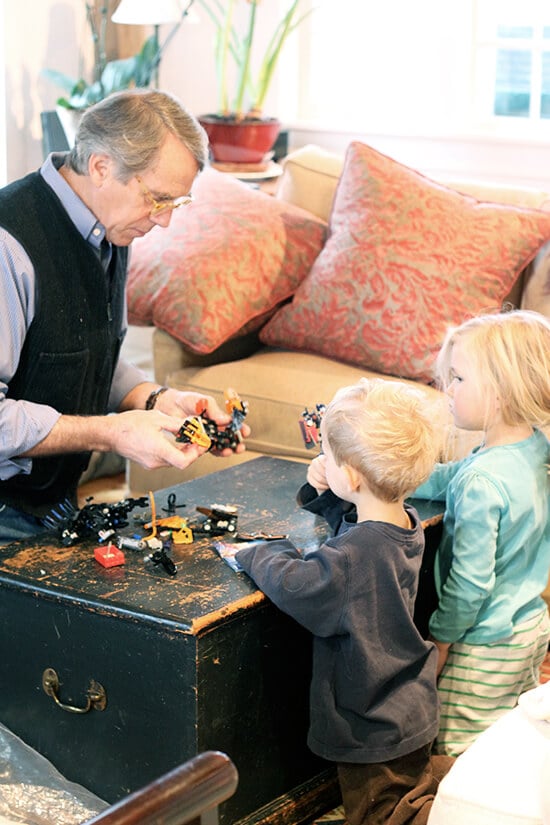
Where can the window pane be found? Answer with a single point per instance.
(525, 32)
(545, 88)
(513, 83)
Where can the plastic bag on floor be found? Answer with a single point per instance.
(33, 792)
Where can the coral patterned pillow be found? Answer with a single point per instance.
(224, 264)
(405, 258)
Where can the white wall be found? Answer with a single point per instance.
(187, 67)
(450, 157)
(36, 35)
(52, 33)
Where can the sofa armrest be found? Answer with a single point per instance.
(309, 180)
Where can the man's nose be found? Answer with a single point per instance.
(162, 218)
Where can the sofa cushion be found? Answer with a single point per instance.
(223, 265)
(405, 258)
(279, 384)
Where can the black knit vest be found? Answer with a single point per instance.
(72, 345)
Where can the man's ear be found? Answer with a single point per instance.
(99, 168)
(353, 477)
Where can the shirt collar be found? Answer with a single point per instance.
(85, 221)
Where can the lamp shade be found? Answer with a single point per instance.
(147, 13)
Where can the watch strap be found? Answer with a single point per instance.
(153, 397)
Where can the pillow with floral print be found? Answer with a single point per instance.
(224, 264)
(405, 258)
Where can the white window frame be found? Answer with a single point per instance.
(488, 13)
(445, 90)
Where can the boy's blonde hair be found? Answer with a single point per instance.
(510, 353)
(386, 430)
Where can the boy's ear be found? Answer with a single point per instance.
(353, 477)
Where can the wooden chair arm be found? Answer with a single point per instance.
(179, 797)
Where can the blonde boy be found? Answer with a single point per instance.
(373, 698)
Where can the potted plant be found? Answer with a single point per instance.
(239, 132)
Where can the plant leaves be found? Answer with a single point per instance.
(65, 82)
(117, 75)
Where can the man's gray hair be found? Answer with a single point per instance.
(130, 127)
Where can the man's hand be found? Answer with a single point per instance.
(180, 404)
(176, 402)
(143, 437)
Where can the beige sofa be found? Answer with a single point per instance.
(280, 382)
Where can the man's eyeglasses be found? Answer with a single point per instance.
(162, 206)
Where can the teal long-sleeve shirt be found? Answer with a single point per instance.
(494, 558)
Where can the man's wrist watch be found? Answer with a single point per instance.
(153, 397)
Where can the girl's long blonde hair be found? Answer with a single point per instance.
(510, 352)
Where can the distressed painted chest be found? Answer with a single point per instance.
(169, 665)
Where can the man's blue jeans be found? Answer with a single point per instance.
(15, 525)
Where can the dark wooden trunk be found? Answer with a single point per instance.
(189, 663)
(198, 661)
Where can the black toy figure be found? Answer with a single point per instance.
(100, 520)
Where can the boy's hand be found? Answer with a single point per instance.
(316, 475)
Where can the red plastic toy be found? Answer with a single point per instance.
(109, 556)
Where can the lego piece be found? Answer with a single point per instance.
(310, 426)
(160, 557)
(193, 431)
(220, 519)
(101, 520)
(180, 532)
(131, 543)
(109, 556)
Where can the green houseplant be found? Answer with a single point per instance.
(107, 75)
(239, 131)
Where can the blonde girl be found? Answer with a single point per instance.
(491, 626)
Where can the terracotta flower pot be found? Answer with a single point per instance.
(243, 141)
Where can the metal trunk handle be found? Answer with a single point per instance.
(96, 697)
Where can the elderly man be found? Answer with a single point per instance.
(64, 237)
